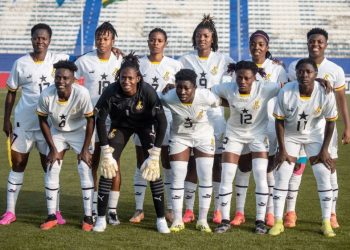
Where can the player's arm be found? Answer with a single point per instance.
(9, 102)
(161, 125)
(101, 112)
(344, 112)
(85, 153)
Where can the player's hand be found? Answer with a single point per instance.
(150, 167)
(108, 165)
(168, 87)
(346, 136)
(281, 157)
(326, 84)
(86, 157)
(325, 158)
(117, 52)
(7, 128)
(52, 157)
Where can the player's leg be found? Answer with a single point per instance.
(190, 190)
(94, 167)
(270, 218)
(333, 148)
(167, 182)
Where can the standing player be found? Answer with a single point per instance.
(31, 73)
(301, 106)
(246, 127)
(69, 108)
(99, 69)
(159, 71)
(211, 66)
(317, 43)
(272, 71)
(133, 107)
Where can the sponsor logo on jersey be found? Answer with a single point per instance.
(11, 190)
(158, 198)
(138, 193)
(176, 197)
(207, 196)
(223, 204)
(86, 198)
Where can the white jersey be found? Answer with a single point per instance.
(69, 115)
(32, 77)
(190, 121)
(248, 113)
(97, 73)
(302, 115)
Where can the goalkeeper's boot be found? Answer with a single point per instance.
(334, 221)
(277, 229)
(169, 215)
(260, 227)
(202, 225)
(188, 216)
(137, 217)
(217, 216)
(7, 218)
(223, 227)
(49, 223)
(101, 224)
(238, 220)
(87, 224)
(60, 219)
(327, 228)
(113, 219)
(177, 226)
(290, 219)
(162, 226)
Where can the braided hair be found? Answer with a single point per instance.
(130, 61)
(206, 23)
(106, 28)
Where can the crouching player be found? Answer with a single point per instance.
(70, 110)
(301, 106)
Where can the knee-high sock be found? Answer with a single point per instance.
(157, 190)
(113, 201)
(167, 185)
(14, 185)
(52, 184)
(216, 192)
(59, 194)
(324, 188)
(227, 175)
(294, 185)
(87, 186)
(271, 185)
(190, 194)
(334, 183)
(261, 188)
(179, 170)
(204, 166)
(282, 177)
(104, 186)
(94, 203)
(242, 183)
(140, 185)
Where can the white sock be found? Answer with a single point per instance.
(216, 191)
(324, 188)
(190, 194)
(179, 171)
(52, 184)
(334, 183)
(242, 183)
(87, 186)
(59, 194)
(140, 185)
(113, 201)
(271, 185)
(261, 188)
(94, 204)
(167, 186)
(14, 185)
(227, 175)
(282, 177)
(293, 190)
(204, 166)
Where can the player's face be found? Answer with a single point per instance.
(258, 47)
(104, 42)
(306, 74)
(156, 43)
(129, 80)
(204, 39)
(40, 40)
(245, 79)
(64, 78)
(185, 90)
(316, 45)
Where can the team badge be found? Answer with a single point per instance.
(318, 110)
(256, 105)
(166, 76)
(200, 115)
(112, 133)
(139, 105)
(214, 70)
(326, 77)
(115, 71)
(267, 77)
(53, 72)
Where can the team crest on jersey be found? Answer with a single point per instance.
(166, 76)
(326, 77)
(318, 110)
(268, 76)
(139, 105)
(115, 71)
(256, 105)
(53, 72)
(200, 115)
(112, 133)
(214, 70)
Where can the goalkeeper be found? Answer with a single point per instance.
(133, 107)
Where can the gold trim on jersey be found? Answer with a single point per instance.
(41, 113)
(187, 104)
(62, 102)
(332, 119)
(340, 88)
(305, 98)
(38, 62)
(155, 62)
(103, 60)
(244, 95)
(11, 89)
(259, 65)
(203, 57)
(89, 114)
(278, 117)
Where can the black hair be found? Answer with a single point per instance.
(106, 28)
(266, 37)
(130, 61)
(158, 30)
(40, 26)
(186, 75)
(317, 31)
(246, 65)
(306, 61)
(206, 23)
(65, 64)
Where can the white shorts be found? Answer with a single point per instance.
(177, 145)
(258, 144)
(219, 125)
(311, 149)
(67, 140)
(23, 141)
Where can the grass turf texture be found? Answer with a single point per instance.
(31, 212)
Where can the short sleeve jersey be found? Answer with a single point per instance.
(69, 115)
(302, 115)
(32, 77)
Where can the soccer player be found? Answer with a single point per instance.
(32, 73)
(69, 108)
(191, 130)
(99, 69)
(246, 127)
(301, 106)
(210, 66)
(317, 40)
(159, 71)
(134, 107)
(272, 71)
